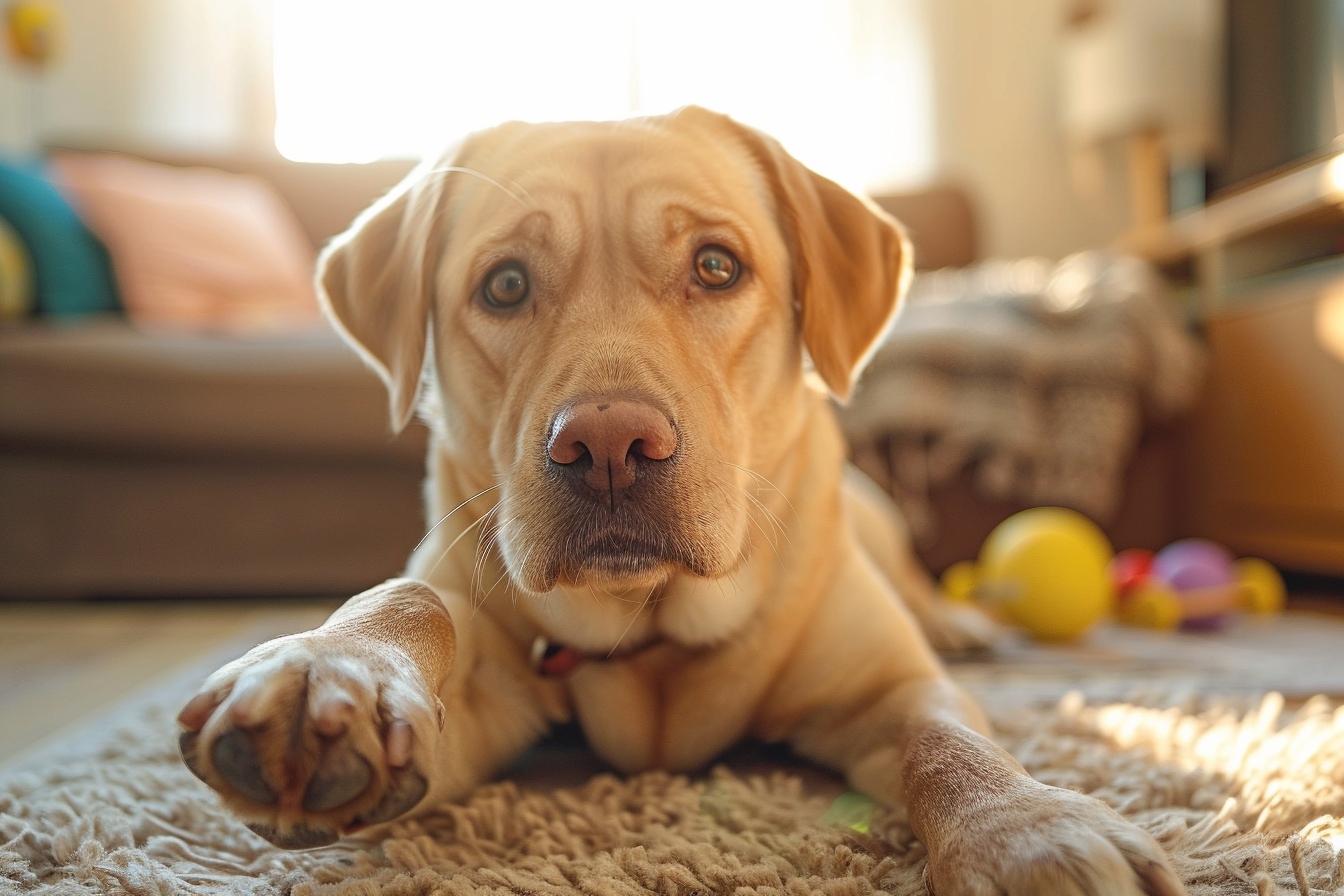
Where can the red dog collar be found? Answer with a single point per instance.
(553, 660)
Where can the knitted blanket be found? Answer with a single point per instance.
(1037, 377)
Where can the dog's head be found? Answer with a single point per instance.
(615, 317)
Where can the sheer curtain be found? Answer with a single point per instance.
(845, 84)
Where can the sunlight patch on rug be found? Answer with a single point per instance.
(1244, 801)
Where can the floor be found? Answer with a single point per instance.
(62, 662)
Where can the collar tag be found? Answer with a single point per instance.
(553, 660)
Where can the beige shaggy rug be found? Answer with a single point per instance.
(1245, 800)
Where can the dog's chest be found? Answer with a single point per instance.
(663, 682)
(664, 707)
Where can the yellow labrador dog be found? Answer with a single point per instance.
(641, 513)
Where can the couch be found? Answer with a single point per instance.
(147, 464)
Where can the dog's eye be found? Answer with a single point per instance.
(505, 286)
(716, 267)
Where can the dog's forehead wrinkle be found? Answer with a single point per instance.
(679, 219)
(495, 232)
(646, 163)
(533, 224)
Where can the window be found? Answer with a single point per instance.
(844, 84)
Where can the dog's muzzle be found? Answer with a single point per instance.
(613, 459)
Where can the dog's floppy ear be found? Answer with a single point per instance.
(377, 278)
(851, 261)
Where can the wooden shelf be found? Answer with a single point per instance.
(1263, 271)
(1300, 194)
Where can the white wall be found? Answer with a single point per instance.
(996, 96)
(161, 73)
(195, 74)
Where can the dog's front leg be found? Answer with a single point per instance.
(988, 826)
(865, 695)
(991, 828)
(315, 735)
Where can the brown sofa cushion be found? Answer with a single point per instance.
(940, 223)
(108, 386)
(195, 249)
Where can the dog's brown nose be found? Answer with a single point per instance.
(615, 436)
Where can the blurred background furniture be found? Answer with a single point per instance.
(143, 463)
(1262, 273)
(1011, 384)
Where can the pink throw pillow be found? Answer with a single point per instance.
(194, 248)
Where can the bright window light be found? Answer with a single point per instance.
(844, 84)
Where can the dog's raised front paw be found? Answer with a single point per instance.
(1043, 841)
(312, 736)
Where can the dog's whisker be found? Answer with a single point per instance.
(446, 551)
(478, 599)
(503, 575)
(527, 557)
(763, 479)
(445, 517)
(457, 169)
(633, 617)
(681, 396)
(619, 597)
(764, 534)
(771, 517)
(477, 579)
(753, 505)
(485, 541)
(776, 524)
(653, 598)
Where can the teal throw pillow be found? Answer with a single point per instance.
(72, 272)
